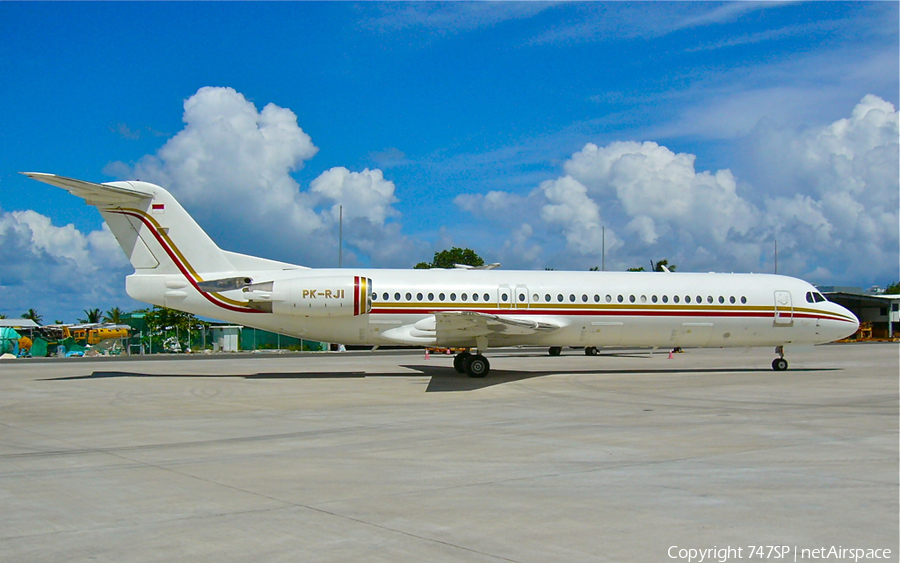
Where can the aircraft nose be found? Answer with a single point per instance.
(844, 328)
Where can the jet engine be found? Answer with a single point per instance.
(344, 296)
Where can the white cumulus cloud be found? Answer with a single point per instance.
(830, 199)
(569, 207)
(362, 194)
(58, 271)
(841, 188)
(231, 168)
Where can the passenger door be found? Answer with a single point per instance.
(784, 309)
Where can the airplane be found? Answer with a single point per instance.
(177, 265)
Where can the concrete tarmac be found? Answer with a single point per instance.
(391, 457)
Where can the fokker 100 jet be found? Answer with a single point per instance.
(177, 265)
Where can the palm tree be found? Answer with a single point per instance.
(93, 316)
(658, 267)
(33, 315)
(113, 316)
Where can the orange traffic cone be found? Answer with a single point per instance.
(426, 354)
(670, 355)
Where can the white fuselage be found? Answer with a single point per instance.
(588, 308)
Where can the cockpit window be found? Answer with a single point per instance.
(814, 297)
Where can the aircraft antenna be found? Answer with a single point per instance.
(603, 246)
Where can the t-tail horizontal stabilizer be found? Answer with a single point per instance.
(156, 233)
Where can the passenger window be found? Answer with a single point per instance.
(665, 298)
(431, 297)
(584, 298)
(631, 298)
(731, 299)
(474, 297)
(654, 298)
(374, 296)
(699, 299)
(521, 297)
(465, 296)
(608, 298)
(503, 297)
(572, 297)
(744, 300)
(419, 296)
(452, 297)
(397, 297)
(596, 298)
(386, 296)
(675, 298)
(443, 297)
(547, 297)
(687, 298)
(721, 299)
(559, 298)
(620, 299)
(709, 299)
(643, 298)
(409, 296)
(487, 297)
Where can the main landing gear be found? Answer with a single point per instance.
(779, 363)
(474, 365)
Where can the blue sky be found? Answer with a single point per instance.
(698, 132)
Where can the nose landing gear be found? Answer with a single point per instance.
(779, 363)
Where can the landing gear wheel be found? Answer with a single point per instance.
(555, 350)
(590, 351)
(477, 366)
(779, 364)
(459, 362)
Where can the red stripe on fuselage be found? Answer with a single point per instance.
(181, 267)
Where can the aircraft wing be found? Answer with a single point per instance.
(93, 194)
(463, 327)
(452, 325)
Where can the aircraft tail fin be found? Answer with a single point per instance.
(156, 233)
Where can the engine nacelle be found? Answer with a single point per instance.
(344, 296)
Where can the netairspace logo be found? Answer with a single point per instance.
(776, 552)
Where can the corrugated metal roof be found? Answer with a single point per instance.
(19, 323)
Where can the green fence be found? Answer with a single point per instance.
(255, 339)
(202, 338)
(249, 339)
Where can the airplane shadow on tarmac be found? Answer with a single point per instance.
(443, 379)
